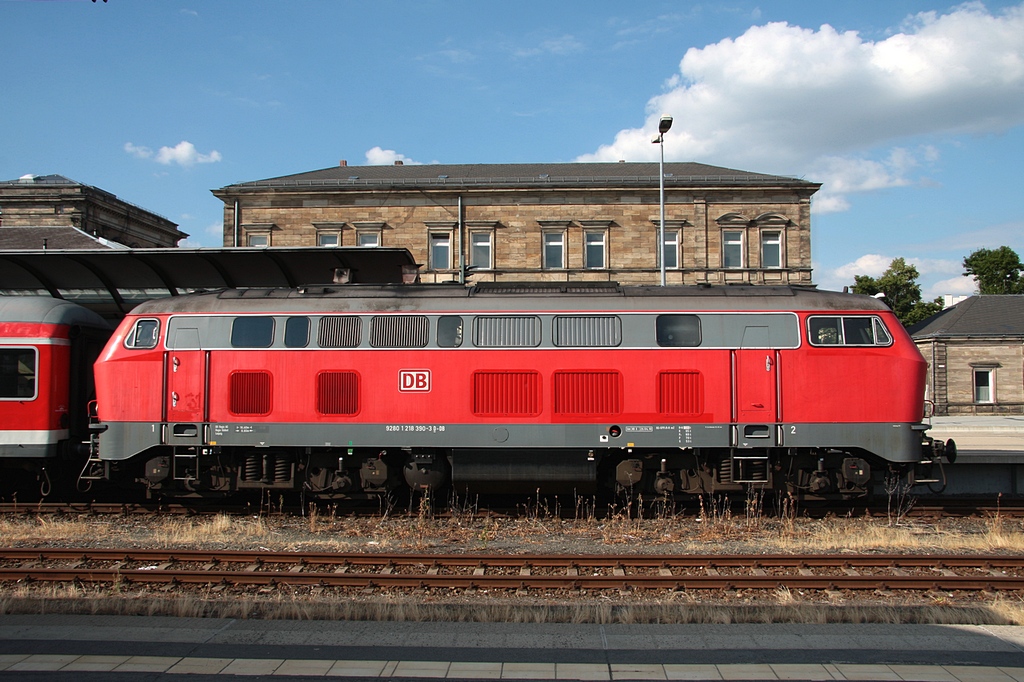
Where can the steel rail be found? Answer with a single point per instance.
(570, 572)
(544, 582)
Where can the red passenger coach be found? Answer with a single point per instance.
(355, 390)
(47, 347)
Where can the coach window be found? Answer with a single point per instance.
(18, 373)
(771, 249)
(678, 331)
(732, 248)
(252, 332)
(449, 331)
(143, 335)
(554, 250)
(296, 332)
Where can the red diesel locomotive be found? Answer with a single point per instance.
(47, 347)
(355, 390)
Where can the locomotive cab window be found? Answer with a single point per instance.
(143, 335)
(252, 332)
(449, 331)
(861, 330)
(678, 331)
(18, 373)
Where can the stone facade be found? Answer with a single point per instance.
(975, 355)
(557, 222)
(53, 201)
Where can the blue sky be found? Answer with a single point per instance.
(911, 113)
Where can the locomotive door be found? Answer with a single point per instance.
(186, 378)
(756, 364)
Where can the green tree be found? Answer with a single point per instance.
(901, 292)
(997, 271)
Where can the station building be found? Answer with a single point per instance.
(975, 354)
(53, 212)
(541, 222)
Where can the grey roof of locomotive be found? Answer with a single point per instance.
(535, 297)
(47, 310)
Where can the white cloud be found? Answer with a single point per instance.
(137, 151)
(956, 286)
(874, 264)
(387, 157)
(834, 107)
(184, 154)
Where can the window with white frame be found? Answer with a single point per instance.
(554, 250)
(328, 239)
(771, 249)
(440, 254)
(984, 386)
(594, 249)
(481, 248)
(368, 238)
(670, 252)
(257, 239)
(732, 248)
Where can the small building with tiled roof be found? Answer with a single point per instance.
(54, 212)
(975, 354)
(542, 221)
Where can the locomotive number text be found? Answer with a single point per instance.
(414, 428)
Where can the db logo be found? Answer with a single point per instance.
(415, 380)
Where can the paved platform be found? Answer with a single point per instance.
(999, 438)
(88, 648)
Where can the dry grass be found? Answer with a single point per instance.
(701, 533)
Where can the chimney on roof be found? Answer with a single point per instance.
(399, 163)
(343, 162)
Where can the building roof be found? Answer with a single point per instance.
(531, 175)
(1001, 315)
(42, 180)
(46, 238)
(54, 180)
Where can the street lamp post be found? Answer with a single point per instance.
(659, 139)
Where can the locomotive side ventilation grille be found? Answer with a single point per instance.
(681, 393)
(339, 331)
(503, 394)
(250, 393)
(337, 393)
(519, 331)
(399, 331)
(588, 392)
(588, 331)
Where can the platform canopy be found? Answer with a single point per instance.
(114, 281)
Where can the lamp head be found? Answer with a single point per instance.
(665, 124)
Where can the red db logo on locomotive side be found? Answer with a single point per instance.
(414, 380)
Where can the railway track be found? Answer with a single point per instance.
(521, 572)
